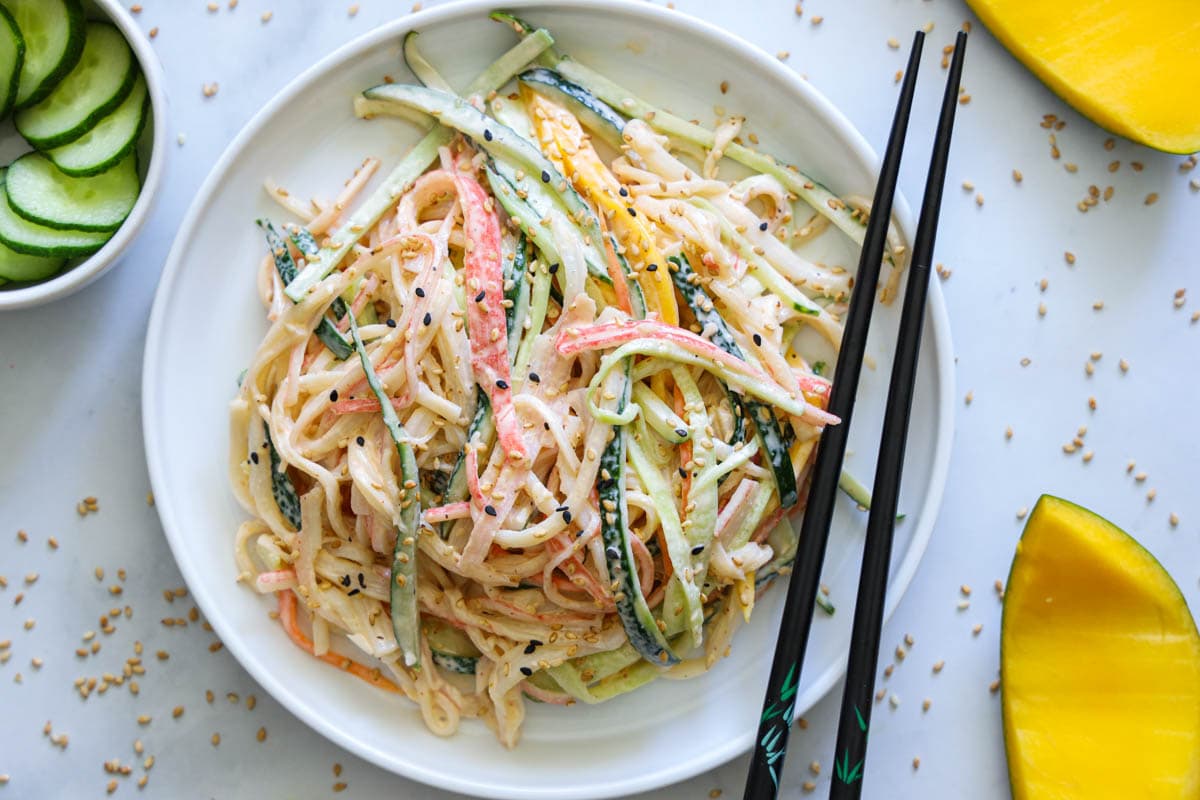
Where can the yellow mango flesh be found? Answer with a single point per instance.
(1100, 663)
(1131, 66)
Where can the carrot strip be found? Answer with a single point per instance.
(287, 618)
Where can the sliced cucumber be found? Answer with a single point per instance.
(34, 240)
(54, 33)
(12, 57)
(41, 194)
(99, 83)
(16, 266)
(113, 138)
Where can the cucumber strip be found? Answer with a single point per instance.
(54, 33)
(541, 178)
(406, 617)
(640, 625)
(282, 488)
(30, 239)
(16, 266)
(482, 428)
(12, 58)
(461, 665)
(411, 167)
(425, 72)
(775, 442)
(40, 193)
(659, 416)
(689, 612)
(520, 210)
(99, 83)
(516, 296)
(596, 115)
(306, 243)
(854, 490)
(113, 138)
(285, 265)
(452, 649)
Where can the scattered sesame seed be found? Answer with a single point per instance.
(1022, 512)
(1088, 455)
(965, 589)
(968, 398)
(815, 768)
(916, 762)
(154, 32)
(1173, 519)
(817, 20)
(261, 735)
(977, 629)
(216, 740)
(177, 712)
(144, 719)
(783, 55)
(994, 686)
(808, 786)
(1069, 256)
(1008, 432)
(353, 9)
(715, 793)
(938, 666)
(1017, 176)
(926, 704)
(1109, 144)
(210, 89)
(340, 786)
(894, 701)
(968, 186)
(1041, 309)
(1151, 198)
(266, 16)
(1124, 365)
(892, 43)
(979, 200)
(1150, 495)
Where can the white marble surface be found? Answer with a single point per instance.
(70, 427)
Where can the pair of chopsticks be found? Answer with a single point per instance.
(766, 766)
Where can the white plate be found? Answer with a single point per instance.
(207, 322)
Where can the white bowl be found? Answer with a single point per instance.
(152, 151)
(207, 322)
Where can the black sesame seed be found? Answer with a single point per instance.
(546, 425)
(682, 472)
(533, 376)
(254, 457)
(428, 318)
(420, 292)
(624, 192)
(536, 642)
(567, 517)
(391, 323)
(345, 580)
(561, 509)
(545, 176)
(698, 549)
(529, 648)
(757, 339)
(553, 268)
(526, 671)
(333, 396)
(652, 268)
(352, 592)
(490, 510)
(487, 135)
(632, 212)
(362, 581)
(361, 441)
(762, 227)
(501, 384)
(479, 297)
(681, 431)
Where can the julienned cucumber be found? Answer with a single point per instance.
(31, 239)
(54, 32)
(113, 138)
(12, 57)
(99, 83)
(16, 266)
(41, 194)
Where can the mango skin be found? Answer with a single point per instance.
(1100, 666)
(1130, 66)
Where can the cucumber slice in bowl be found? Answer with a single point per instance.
(30, 239)
(99, 83)
(12, 57)
(16, 266)
(54, 33)
(40, 194)
(113, 138)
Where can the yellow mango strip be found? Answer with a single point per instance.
(590, 176)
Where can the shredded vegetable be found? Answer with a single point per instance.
(581, 409)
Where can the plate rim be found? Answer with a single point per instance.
(816, 103)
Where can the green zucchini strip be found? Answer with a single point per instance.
(282, 488)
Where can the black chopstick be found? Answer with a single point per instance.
(762, 780)
(851, 750)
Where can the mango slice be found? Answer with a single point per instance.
(1100, 666)
(1131, 66)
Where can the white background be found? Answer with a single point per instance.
(70, 384)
